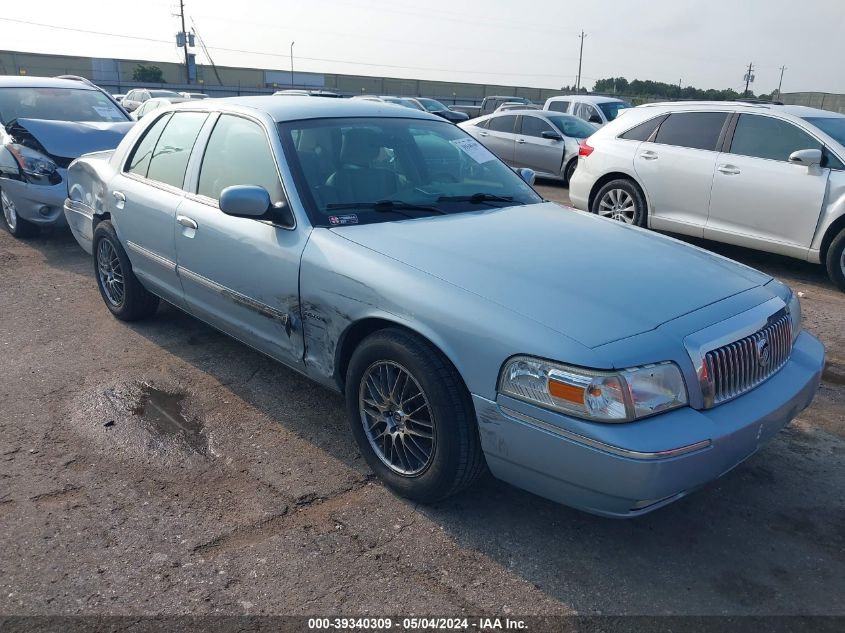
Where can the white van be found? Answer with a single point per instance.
(597, 110)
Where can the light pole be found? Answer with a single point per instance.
(291, 63)
(580, 57)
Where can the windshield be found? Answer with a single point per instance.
(571, 126)
(612, 109)
(432, 105)
(168, 94)
(57, 104)
(833, 126)
(351, 164)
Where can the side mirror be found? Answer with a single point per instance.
(552, 136)
(245, 201)
(595, 118)
(806, 157)
(527, 175)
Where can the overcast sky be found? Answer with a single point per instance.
(705, 43)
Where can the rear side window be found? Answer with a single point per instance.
(171, 153)
(238, 153)
(140, 161)
(483, 123)
(559, 106)
(502, 123)
(642, 131)
(765, 137)
(696, 130)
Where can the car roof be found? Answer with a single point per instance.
(16, 81)
(295, 108)
(739, 106)
(586, 99)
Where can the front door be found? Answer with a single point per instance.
(241, 275)
(543, 155)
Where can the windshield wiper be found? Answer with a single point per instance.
(476, 198)
(386, 206)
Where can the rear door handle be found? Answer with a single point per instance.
(728, 170)
(648, 155)
(483, 134)
(187, 222)
(520, 140)
(119, 199)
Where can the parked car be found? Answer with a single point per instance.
(118, 97)
(543, 141)
(44, 124)
(405, 102)
(489, 104)
(154, 104)
(435, 107)
(194, 95)
(471, 111)
(517, 106)
(762, 176)
(389, 256)
(593, 109)
(134, 98)
(293, 92)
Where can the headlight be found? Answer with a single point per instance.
(795, 315)
(34, 164)
(603, 396)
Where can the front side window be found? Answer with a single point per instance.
(364, 170)
(767, 137)
(696, 130)
(559, 106)
(502, 123)
(238, 153)
(139, 163)
(173, 149)
(58, 104)
(534, 126)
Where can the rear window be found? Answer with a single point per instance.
(696, 130)
(58, 104)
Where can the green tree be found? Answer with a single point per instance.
(148, 74)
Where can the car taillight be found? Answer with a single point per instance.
(584, 149)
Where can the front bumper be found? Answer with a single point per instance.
(624, 470)
(39, 204)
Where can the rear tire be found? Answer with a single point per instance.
(835, 261)
(120, 289)
(412, 417)
(15, 224)
(621, 200)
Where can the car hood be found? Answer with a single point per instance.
(68, 139)
(592, 279)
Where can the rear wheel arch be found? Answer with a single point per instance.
(609, 177)
(830, 234)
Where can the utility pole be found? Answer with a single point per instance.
(291, 63)
(580, 58)
(749, 77)
(780, 83)
(679, 87)
(185, 41)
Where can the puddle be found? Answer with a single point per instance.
(162, 411)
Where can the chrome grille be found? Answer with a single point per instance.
(738, 367)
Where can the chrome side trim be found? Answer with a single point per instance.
(248, 302)
(79, 207)
(607, 448)
(153, 257)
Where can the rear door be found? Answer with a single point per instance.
(675, 166)
(759, 198)
(146, 194)
(501, 136)
(538, 153)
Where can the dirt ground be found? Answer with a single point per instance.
(161, 467)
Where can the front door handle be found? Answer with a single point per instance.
(187, 222)
(728, 170)
(483, 134)
(119, 199)
(648, 155)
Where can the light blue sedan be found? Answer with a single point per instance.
(387, 255)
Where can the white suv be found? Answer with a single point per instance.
(769, 177)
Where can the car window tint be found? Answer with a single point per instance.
(139, 163)
(696, 130)
(483, 124)
(765, 137)
(534, 126)
(238, 153)
(642, 131)
(502, 123)
(171, 154)
(559, 106)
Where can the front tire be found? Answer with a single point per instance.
(835, 261)
(14, 223)
(621, 200)
(412, 417)
(120, 289)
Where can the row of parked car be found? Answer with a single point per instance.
(390, 256)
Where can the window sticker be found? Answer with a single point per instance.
(341, 220)
(105, 111)
(475, 150)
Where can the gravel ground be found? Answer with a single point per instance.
(161, 467)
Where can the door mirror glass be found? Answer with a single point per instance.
(552, 136)
(806, 157)
(246, 201)
(527, 175)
